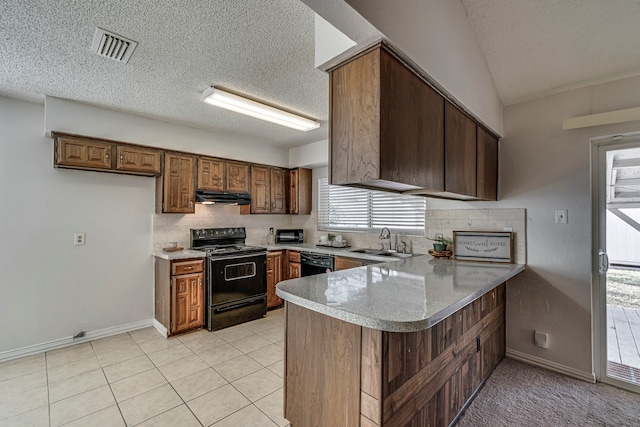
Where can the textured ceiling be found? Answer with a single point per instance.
(541, 47)
(264, 49)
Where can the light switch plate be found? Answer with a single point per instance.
(562, 216)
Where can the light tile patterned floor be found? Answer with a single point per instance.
(231, 377)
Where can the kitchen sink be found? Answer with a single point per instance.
(379, 252)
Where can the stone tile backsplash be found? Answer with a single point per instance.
(175, 227)
(446, 221)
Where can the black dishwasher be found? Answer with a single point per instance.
(315, 264)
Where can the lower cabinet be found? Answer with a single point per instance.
(179, 296)
(293, 265)
(274, 275)
(343, 263)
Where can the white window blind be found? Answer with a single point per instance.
(354, 209)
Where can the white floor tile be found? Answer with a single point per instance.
(149, 404)
(267, 355)
(277, 368)
(81, 405)
(23, 401)
(23, 383)
(274, 334)
(137, 384)
(249, 416)
(163, 357)
(259, 384)
(69, 354)
(233, 333)
(62, 372)
(128, 368)
(272, 406)
(108, 417)
(117, 355)
(250, 343)
(182, 368)
(237, 368)
(222, 353)
(38, 417)
(76, 385)
(217, 404)
(199, 383)
(18, 369)
(146, 334)
(180, 416)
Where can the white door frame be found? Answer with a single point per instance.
(599, 241)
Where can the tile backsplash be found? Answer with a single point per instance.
(446, 221)
(175, 228)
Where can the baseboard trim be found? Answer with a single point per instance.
(69, 341)
(552, 366)
(160, 328)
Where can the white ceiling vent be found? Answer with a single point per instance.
(112, 46)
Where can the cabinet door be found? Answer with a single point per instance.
(487, 165)
(237, 177)
(188, 302)
(178, 190)
(344, 263)
(260, 194)
(210, 174)
(294, 270)
(141, 160)
(354, 110)
(293, 191)
(274, 276)
(300, 188)
(411, 128)
(460, 152)
(278, 191)
(83, 153)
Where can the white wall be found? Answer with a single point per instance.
(543, 168)
(437, 36)
(50, 288)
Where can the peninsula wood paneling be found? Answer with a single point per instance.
(334, 370)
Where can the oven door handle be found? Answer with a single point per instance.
(234, 257)
(242, 304)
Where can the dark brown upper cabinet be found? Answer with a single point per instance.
(387, 126)
(391, 130)
(76, 152)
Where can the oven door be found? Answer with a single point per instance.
(236, 278)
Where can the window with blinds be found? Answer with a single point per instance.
(354, 209)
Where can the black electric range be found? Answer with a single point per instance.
(235, 276)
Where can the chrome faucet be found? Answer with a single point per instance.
(385, 234)
(401, 247)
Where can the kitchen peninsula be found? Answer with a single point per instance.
(392, 344)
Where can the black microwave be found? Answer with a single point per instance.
(290, 236)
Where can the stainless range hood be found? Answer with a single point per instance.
(222, 197)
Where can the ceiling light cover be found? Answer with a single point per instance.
(230, 101)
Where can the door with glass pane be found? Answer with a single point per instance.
(616, 287)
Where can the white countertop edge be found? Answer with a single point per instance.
(394, 325)
(344, 252)
(183, 254)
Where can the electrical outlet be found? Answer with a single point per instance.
(562, 216)
(78, 239)
(541, 339)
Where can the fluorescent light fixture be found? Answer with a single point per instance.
(236, 103)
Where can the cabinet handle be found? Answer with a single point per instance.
(200, 282)
(106, 156)
(121, 157)
(189, 268)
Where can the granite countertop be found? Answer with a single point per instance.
(345, 252)
(183, 254)
(406, 295)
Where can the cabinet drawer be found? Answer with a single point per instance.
(187, 266)
(294, 256)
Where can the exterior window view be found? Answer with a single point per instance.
(319, 213)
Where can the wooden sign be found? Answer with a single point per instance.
(489, 246)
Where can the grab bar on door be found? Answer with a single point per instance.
(603, 262)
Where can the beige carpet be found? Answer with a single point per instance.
(518, 394)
